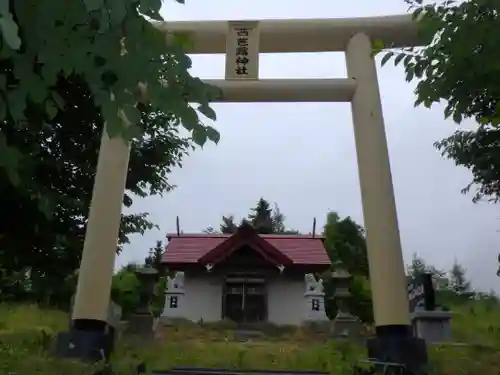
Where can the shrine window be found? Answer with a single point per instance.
(174, 302)
(315, 304)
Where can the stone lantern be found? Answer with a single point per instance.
(147, 281)
(345, 325)
(142, 320)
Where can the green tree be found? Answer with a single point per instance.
(345, 244)
(122, 57)
(479, 151)
(154, 257)
(228, 225)
(14, 285)
(209, 230)
(43, 219)
(452, 288)
(459, 66)
(458, 63)
(125, 288)
(458, 281)
(419, 266)
(262, 217)
(278, 220)
(119, 59)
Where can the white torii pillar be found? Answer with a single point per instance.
(385, 257)
(394, 340)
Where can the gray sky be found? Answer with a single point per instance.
(302, 156)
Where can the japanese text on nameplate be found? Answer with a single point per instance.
(241, 67)
(242, 50)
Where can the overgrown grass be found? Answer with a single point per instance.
(20, 318)
(477, 322)
(26, 335)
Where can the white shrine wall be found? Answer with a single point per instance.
(202, 300)
(286, 301)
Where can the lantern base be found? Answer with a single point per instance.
(395, 344)
(141, 325)
(345, 325)
(87, 340)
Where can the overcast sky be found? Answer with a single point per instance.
(302, 156)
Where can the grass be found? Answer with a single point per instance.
(26, 334)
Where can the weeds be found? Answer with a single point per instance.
(26, 335)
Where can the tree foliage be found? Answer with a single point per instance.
(345, 244)
(119, 54)
(64, 72)
(228, 225)
(43, 219)
(478, 151)
(452, 287)
(262, 217)
(209, 230)
(126, 288)
(154, 257)
(458, 280)
(458, 65)
(419, 266)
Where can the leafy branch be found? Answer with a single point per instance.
(111, 44)
(459, 63)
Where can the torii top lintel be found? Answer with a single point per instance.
(304, 35)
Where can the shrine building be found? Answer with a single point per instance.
(245, 277)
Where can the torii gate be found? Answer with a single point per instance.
(242, 41)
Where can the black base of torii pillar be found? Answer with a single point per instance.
(88, 340)
(395, 346)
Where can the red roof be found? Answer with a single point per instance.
(212, 248)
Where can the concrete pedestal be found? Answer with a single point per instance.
(314, 307)
(346, 326)
(141, 325)
(432, 326)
